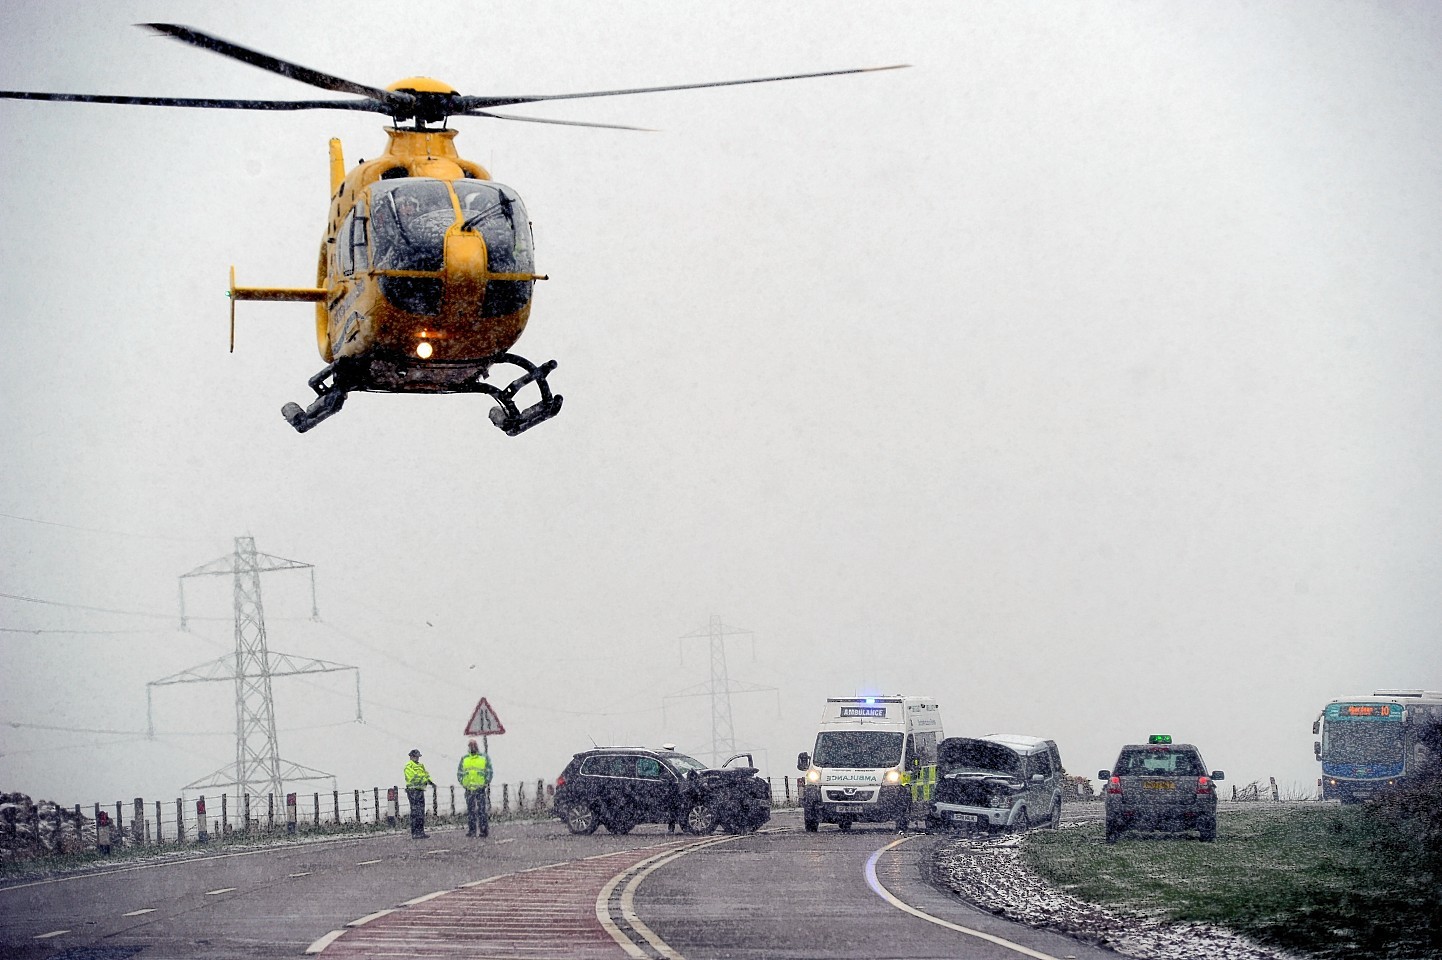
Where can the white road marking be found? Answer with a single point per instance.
(548, 866)
(211, 893)
(366, 863)
(886, 895)
(324, 941)
(432, 853)
(429, 896)
(292, 876)
(636, 873)
(136, 913)
(367, 919)
(185, 861)
(52, 933)
(507, 840)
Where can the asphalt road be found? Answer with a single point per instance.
(530, 890)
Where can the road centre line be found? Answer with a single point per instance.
(366, 863)
(633, 876)
(325, 941)
(628, 899)
(292, 876)
(211, 893)
(137, 913)
(887, 895)
(52, 933)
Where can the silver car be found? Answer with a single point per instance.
(997, 782)
(1160, 785)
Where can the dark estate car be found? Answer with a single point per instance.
(619, 787)
(1160, 785)
(997, 782)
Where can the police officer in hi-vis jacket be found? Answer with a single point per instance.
(417, 779)
(475, 772)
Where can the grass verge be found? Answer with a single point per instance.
(1330, 882)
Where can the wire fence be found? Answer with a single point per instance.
(34, 830)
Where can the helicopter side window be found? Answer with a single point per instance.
(352, 243)
(495, 211)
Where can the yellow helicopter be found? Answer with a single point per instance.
(427, 265)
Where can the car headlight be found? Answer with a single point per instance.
(813, 775)
(999, 800)
(893, 776)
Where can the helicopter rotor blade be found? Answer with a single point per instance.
(470, 103)
(370, 106)
(265, 61)
(567, 123)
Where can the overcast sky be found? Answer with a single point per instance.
(1083, 376)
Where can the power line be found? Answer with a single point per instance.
(161, 736)
(108, 533)
(78, 606)
(47, 631)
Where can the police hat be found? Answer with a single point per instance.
(415, 753)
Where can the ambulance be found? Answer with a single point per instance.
(874, 762)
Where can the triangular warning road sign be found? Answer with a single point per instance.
(484, 722)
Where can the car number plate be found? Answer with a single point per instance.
(1158, 785)
(963, 817)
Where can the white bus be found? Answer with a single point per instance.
(1372, 743)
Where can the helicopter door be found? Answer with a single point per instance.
(495, 211)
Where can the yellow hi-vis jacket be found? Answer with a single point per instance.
(474, 771)
(416, 776)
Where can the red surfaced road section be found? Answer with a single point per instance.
(550, 912)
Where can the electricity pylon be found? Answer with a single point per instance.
(719, 689)
(258, 767)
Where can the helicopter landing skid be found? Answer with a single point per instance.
(329, 399)
(333, 383)
(506, 414)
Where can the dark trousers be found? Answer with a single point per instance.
(418, 810)
(478, 820)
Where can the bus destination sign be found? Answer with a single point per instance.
(1381, 711)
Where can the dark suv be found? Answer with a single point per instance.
(1160, 785)
(619, 787)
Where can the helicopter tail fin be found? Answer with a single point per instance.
(291, 294)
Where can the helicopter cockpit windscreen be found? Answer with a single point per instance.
(409, 219)
(495, 212)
